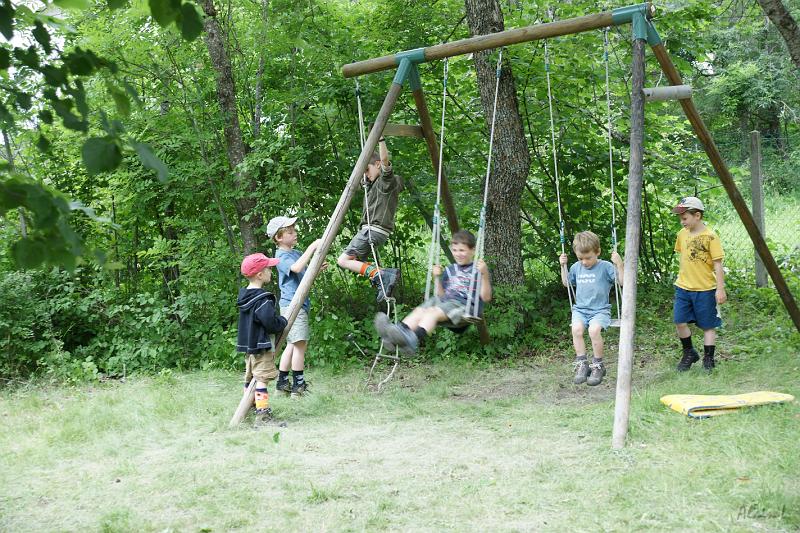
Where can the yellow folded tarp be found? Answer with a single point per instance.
(702, 406)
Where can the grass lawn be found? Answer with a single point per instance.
(447, 446)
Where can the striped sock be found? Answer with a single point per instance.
(368, 270)
(262, 399)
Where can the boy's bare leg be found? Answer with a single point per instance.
(577, 339)
(596, 336)
(709, 337)
(431, 318)
(414, 318)
(286, 357)
(683, 330)
(298, 360)
(350, 263)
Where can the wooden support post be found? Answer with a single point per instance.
(671, 92)
(757, 198)
(633, 229)
(730, 187)
(433, 151)
(330, 233)
(401, 130)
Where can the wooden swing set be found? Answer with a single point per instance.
(643, 33)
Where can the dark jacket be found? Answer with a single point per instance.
(382, 198)
(257, 320)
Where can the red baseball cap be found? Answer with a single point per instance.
(255, 263)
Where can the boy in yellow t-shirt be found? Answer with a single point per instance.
(700, 286)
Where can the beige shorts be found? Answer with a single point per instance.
(454, 309)
(300, 328)
(260, 366)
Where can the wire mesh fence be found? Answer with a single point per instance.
(779, 190)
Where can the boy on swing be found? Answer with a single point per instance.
(449, 306)
(592, 279)
(377, 223)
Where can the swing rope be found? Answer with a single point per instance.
(555, 162)
(611, 166)
(475, 277)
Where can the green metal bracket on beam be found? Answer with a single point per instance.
(625, 15)
(653, 38)
(405, 60)
(639, 27)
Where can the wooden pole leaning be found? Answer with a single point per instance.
(633, 228)
(730, 186)
(314, 267)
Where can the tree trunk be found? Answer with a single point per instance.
(510, 157)
(782, 19)
(249, 220)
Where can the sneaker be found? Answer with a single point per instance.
(264, 417)
(299, 390)
(708, 363)
(598, 370)
(284, 386)
(689, 358)
(390, 277)
(581, 367)
(382, 326)
(404, 338)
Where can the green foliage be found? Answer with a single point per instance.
(26, 335)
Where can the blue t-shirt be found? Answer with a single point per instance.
(288, 281)
(592, 285)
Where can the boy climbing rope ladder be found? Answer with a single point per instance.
(381, 189)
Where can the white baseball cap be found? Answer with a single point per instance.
(690, 202)
(277, 223)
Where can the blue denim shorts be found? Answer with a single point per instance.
(699, 307)
(587, 318)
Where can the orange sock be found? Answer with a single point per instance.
(262, 399)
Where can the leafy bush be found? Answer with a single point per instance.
(26, 334)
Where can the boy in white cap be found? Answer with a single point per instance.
(258, 323)
(377, 223)
(291, 268)
(700, 286)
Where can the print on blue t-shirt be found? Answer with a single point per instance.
(288, 281)
(456, 280)
(592, 285)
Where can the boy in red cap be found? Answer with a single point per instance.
(700, 287)
(258, 323)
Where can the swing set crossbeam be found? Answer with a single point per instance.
(478, 43)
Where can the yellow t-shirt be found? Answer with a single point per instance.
(698, 253)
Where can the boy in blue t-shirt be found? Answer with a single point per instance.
(592, 279)
(291, 268)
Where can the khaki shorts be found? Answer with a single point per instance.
(359, 245)
(260, 366)
(300, 329)
(454, 309)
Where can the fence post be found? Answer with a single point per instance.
(757, 196)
